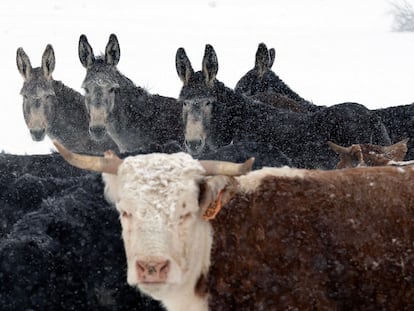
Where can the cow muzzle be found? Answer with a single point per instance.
(152, 272)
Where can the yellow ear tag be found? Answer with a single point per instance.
(213, 209)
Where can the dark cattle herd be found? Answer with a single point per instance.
(322, 222)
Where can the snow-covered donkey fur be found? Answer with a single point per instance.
(263, 83)
(131, 116)
(53, 109)
(214, 115)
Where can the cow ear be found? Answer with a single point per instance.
(183, 66)
(210, 65)
(112, 51)
(216, 192)
(48, 62)
(262, 59)
(85, 52)
(23, 64)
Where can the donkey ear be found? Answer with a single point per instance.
(112, 51)
(272, 55)
(23, 64)
(48, 61)
(210, 65)
(183, 66)
(262, 59)
(85, 51)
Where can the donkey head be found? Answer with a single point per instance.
(198, 97)
(37, 91)
(255, 80)
(100, 83)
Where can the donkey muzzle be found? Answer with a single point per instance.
(195, 146)
(97, 132)
(38, 134)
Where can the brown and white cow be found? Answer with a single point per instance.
(369, 154)
(285, 239)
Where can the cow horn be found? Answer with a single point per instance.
(338, 148)
(227, 168)
(108, 164)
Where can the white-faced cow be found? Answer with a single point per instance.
(284, 239)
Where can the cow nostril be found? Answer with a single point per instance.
(140, 267)
(165, 268)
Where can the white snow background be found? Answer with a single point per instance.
(328, 51)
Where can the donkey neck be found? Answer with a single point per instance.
(68, 114)
(230, 112)
(130, 104)
(126, 121)
(68, 97)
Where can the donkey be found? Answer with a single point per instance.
(215, 116)
(261, 82)
(53, 109)
(131, 116)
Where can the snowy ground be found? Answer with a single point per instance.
(328, 51)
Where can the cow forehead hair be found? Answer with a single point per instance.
(158, 179)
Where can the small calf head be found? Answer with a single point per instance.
(100, 83)
(38, 94)
(368, 154)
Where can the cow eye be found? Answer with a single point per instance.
(185, 217)
(125, 214)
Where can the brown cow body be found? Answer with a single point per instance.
(336, 240)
